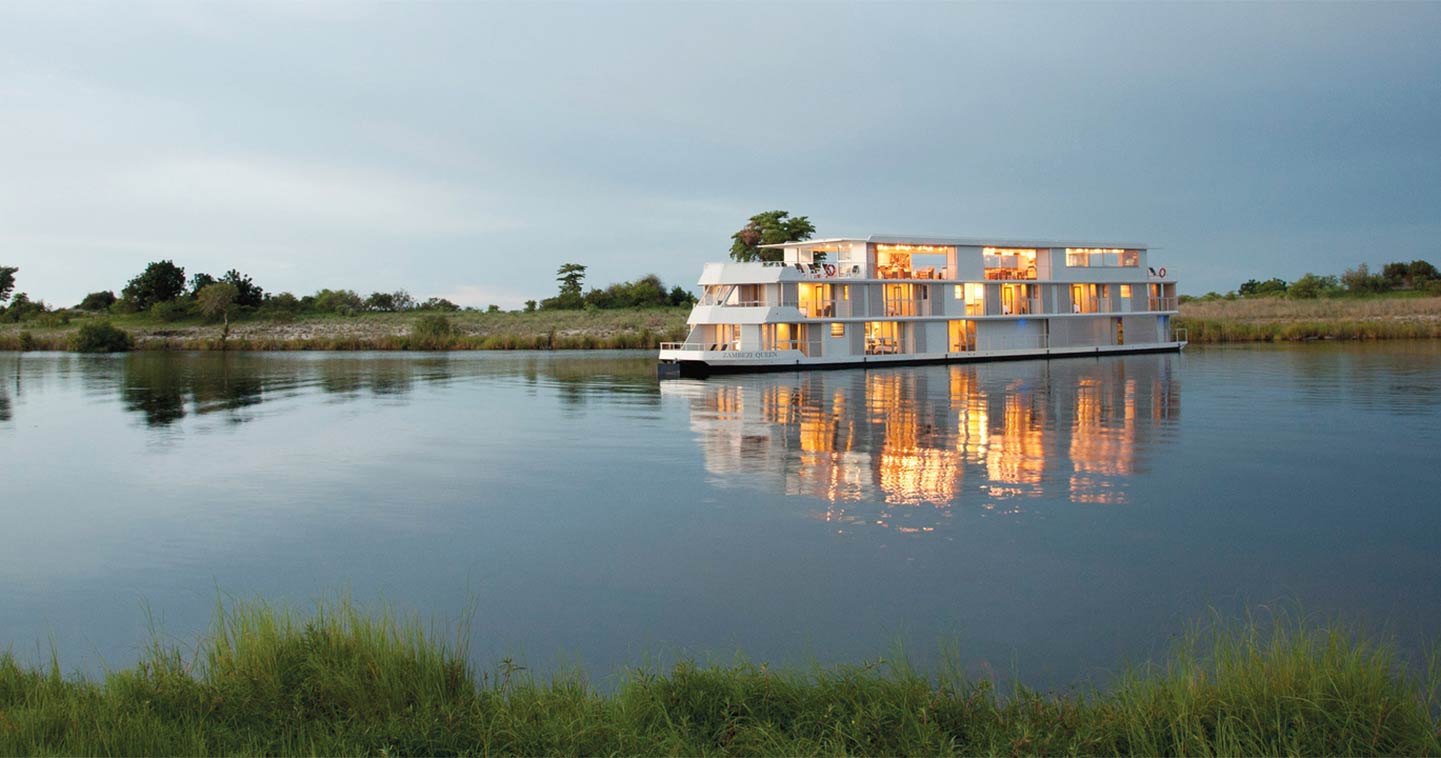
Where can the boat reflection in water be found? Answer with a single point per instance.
(993, 436)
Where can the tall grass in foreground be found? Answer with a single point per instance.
(344, 682)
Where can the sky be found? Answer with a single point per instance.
(466, 150)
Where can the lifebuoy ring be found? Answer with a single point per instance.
(830, 269)
(1162, 272)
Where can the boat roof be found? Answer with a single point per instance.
(906, 239)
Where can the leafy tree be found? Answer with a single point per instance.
(1421, 272)
(439, 304)
(492, 308)
(332, 301)
(217, 300)
(572, 279)
(200, 282)
(281, 307)
(1360, 280)
(1268, 287)
(769, 228)
(1396, 274)
(380, 301)
(7, 281)
(97, 301)
(162, 281)
(1311, 286)
(530, 306)
(402, 299)
(247, 293)
(680, 296)
(22, 308)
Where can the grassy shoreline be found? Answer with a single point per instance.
(1278, 319)
(542, 330)
(341, 681)
(1255, 319)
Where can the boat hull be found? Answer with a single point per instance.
(699, 368)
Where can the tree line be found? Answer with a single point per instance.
(1396, 276)
(645, 292)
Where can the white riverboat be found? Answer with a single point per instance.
(888, 299)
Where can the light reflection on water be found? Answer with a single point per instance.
(989, 436)
(1054, 518)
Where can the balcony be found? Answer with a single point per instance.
(1161, 304)
(1022, 307)
(912, 307)
(826, 308)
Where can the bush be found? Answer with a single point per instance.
(27, 341)
(172, 310)
(432, 333)
(101, 337)
(1311, 286)
(97, 301)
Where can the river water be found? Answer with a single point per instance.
(1047, 520)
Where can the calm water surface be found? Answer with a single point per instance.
(1050, 519)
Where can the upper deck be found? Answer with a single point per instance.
(951, 259)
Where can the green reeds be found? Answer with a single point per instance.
(341, 681)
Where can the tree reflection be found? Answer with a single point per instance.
(164, 388)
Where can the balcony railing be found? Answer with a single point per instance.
(826, 309)
(913, 307)
(1161, 304)
(1022, 306)
(1094, 305)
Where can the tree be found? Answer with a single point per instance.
(97, 301)
(1268, 287)
(380, 301)
(439, 304)
(217, 300)
(769, 228)
(162, 281)
(200, 282)
(571, 277)
(7, 281)
(1396, 274)
(1360, 279)
(1311, 286)
(247, 294)
(1419, 272)
(679, 296)
(530, 306)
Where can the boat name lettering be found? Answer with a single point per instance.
(753, 354)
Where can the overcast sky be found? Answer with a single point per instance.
(467, 150)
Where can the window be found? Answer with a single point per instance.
(1108, 257)
(1125, 292)
(838, 329)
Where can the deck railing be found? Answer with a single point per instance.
(1161, 304)
(1014, 342)
(1022, 307)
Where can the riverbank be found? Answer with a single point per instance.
(468, 330)
(340, 681)
(1277, 319)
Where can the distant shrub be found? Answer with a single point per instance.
(27, 341)
(432, 332)
(344, 310)
(172, 310)
(101, 337)
(97, 301)
(1311, 286)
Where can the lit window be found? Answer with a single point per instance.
(1125, 292)
(838, 329)
(960, 291)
